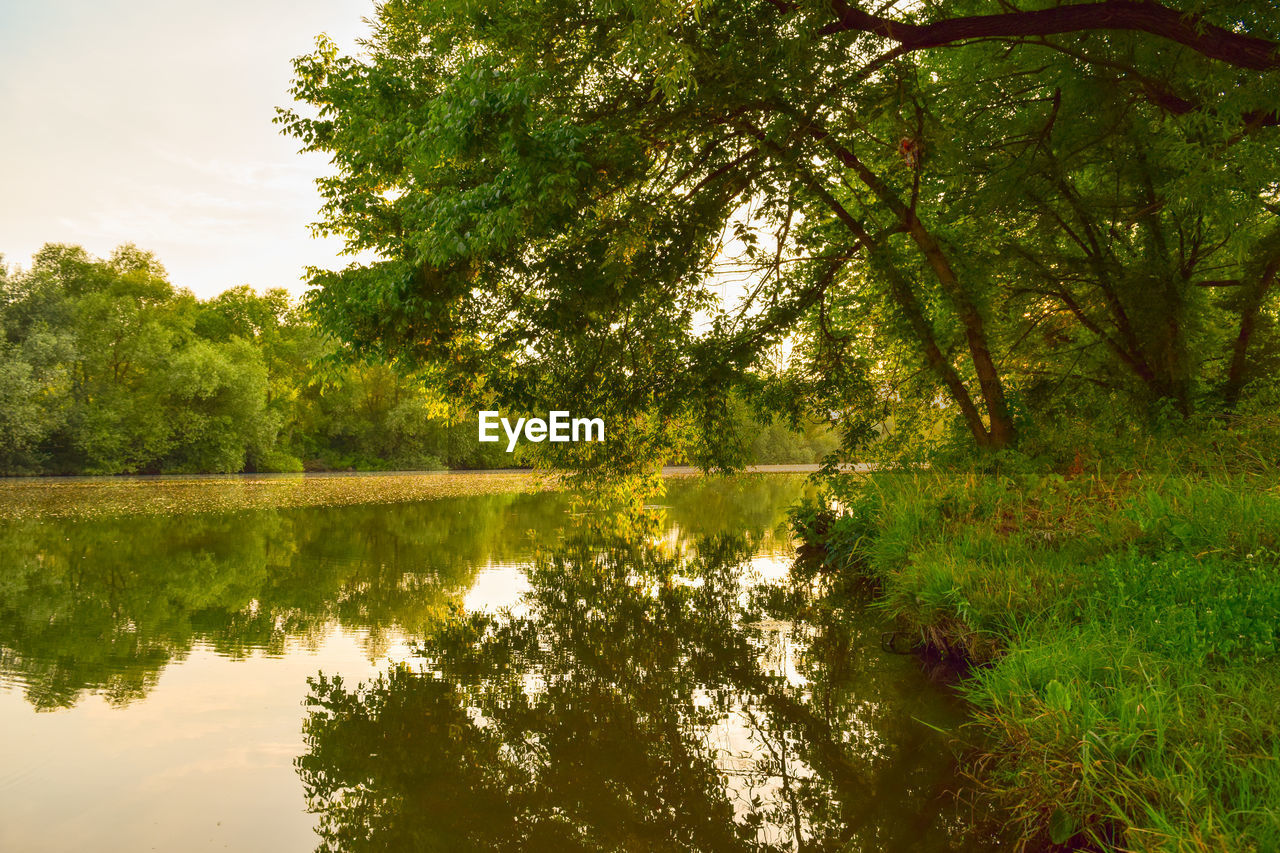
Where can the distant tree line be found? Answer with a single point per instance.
(107, 368)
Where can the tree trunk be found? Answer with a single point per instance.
(1002, 433)
(1238, 372)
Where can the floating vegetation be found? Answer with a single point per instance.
(106, 497)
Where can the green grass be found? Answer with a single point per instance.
(1125, 636)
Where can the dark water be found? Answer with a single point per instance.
(465, 673)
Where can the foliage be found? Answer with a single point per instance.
(633, 208)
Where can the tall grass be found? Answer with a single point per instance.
(1124, 631)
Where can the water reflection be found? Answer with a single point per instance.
(624, 701)
(628, 708)
(104, 605)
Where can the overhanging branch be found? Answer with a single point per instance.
(1214, 42)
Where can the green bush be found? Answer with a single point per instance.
(278, 462)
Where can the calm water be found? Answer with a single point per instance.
(464, 673)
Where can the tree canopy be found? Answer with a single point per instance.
(961, 213)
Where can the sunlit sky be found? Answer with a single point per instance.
(149, 121)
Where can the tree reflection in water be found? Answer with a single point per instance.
(103, 605)
(627, 706)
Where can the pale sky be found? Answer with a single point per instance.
(149, 121)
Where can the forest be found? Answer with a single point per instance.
(107, 368)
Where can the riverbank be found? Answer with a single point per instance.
(1122, 634)
(97, 497)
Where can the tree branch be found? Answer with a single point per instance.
(1209, 40)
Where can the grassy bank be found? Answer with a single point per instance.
(1124, 635)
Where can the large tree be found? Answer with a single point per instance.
(625, 206)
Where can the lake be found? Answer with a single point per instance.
(476, 671)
